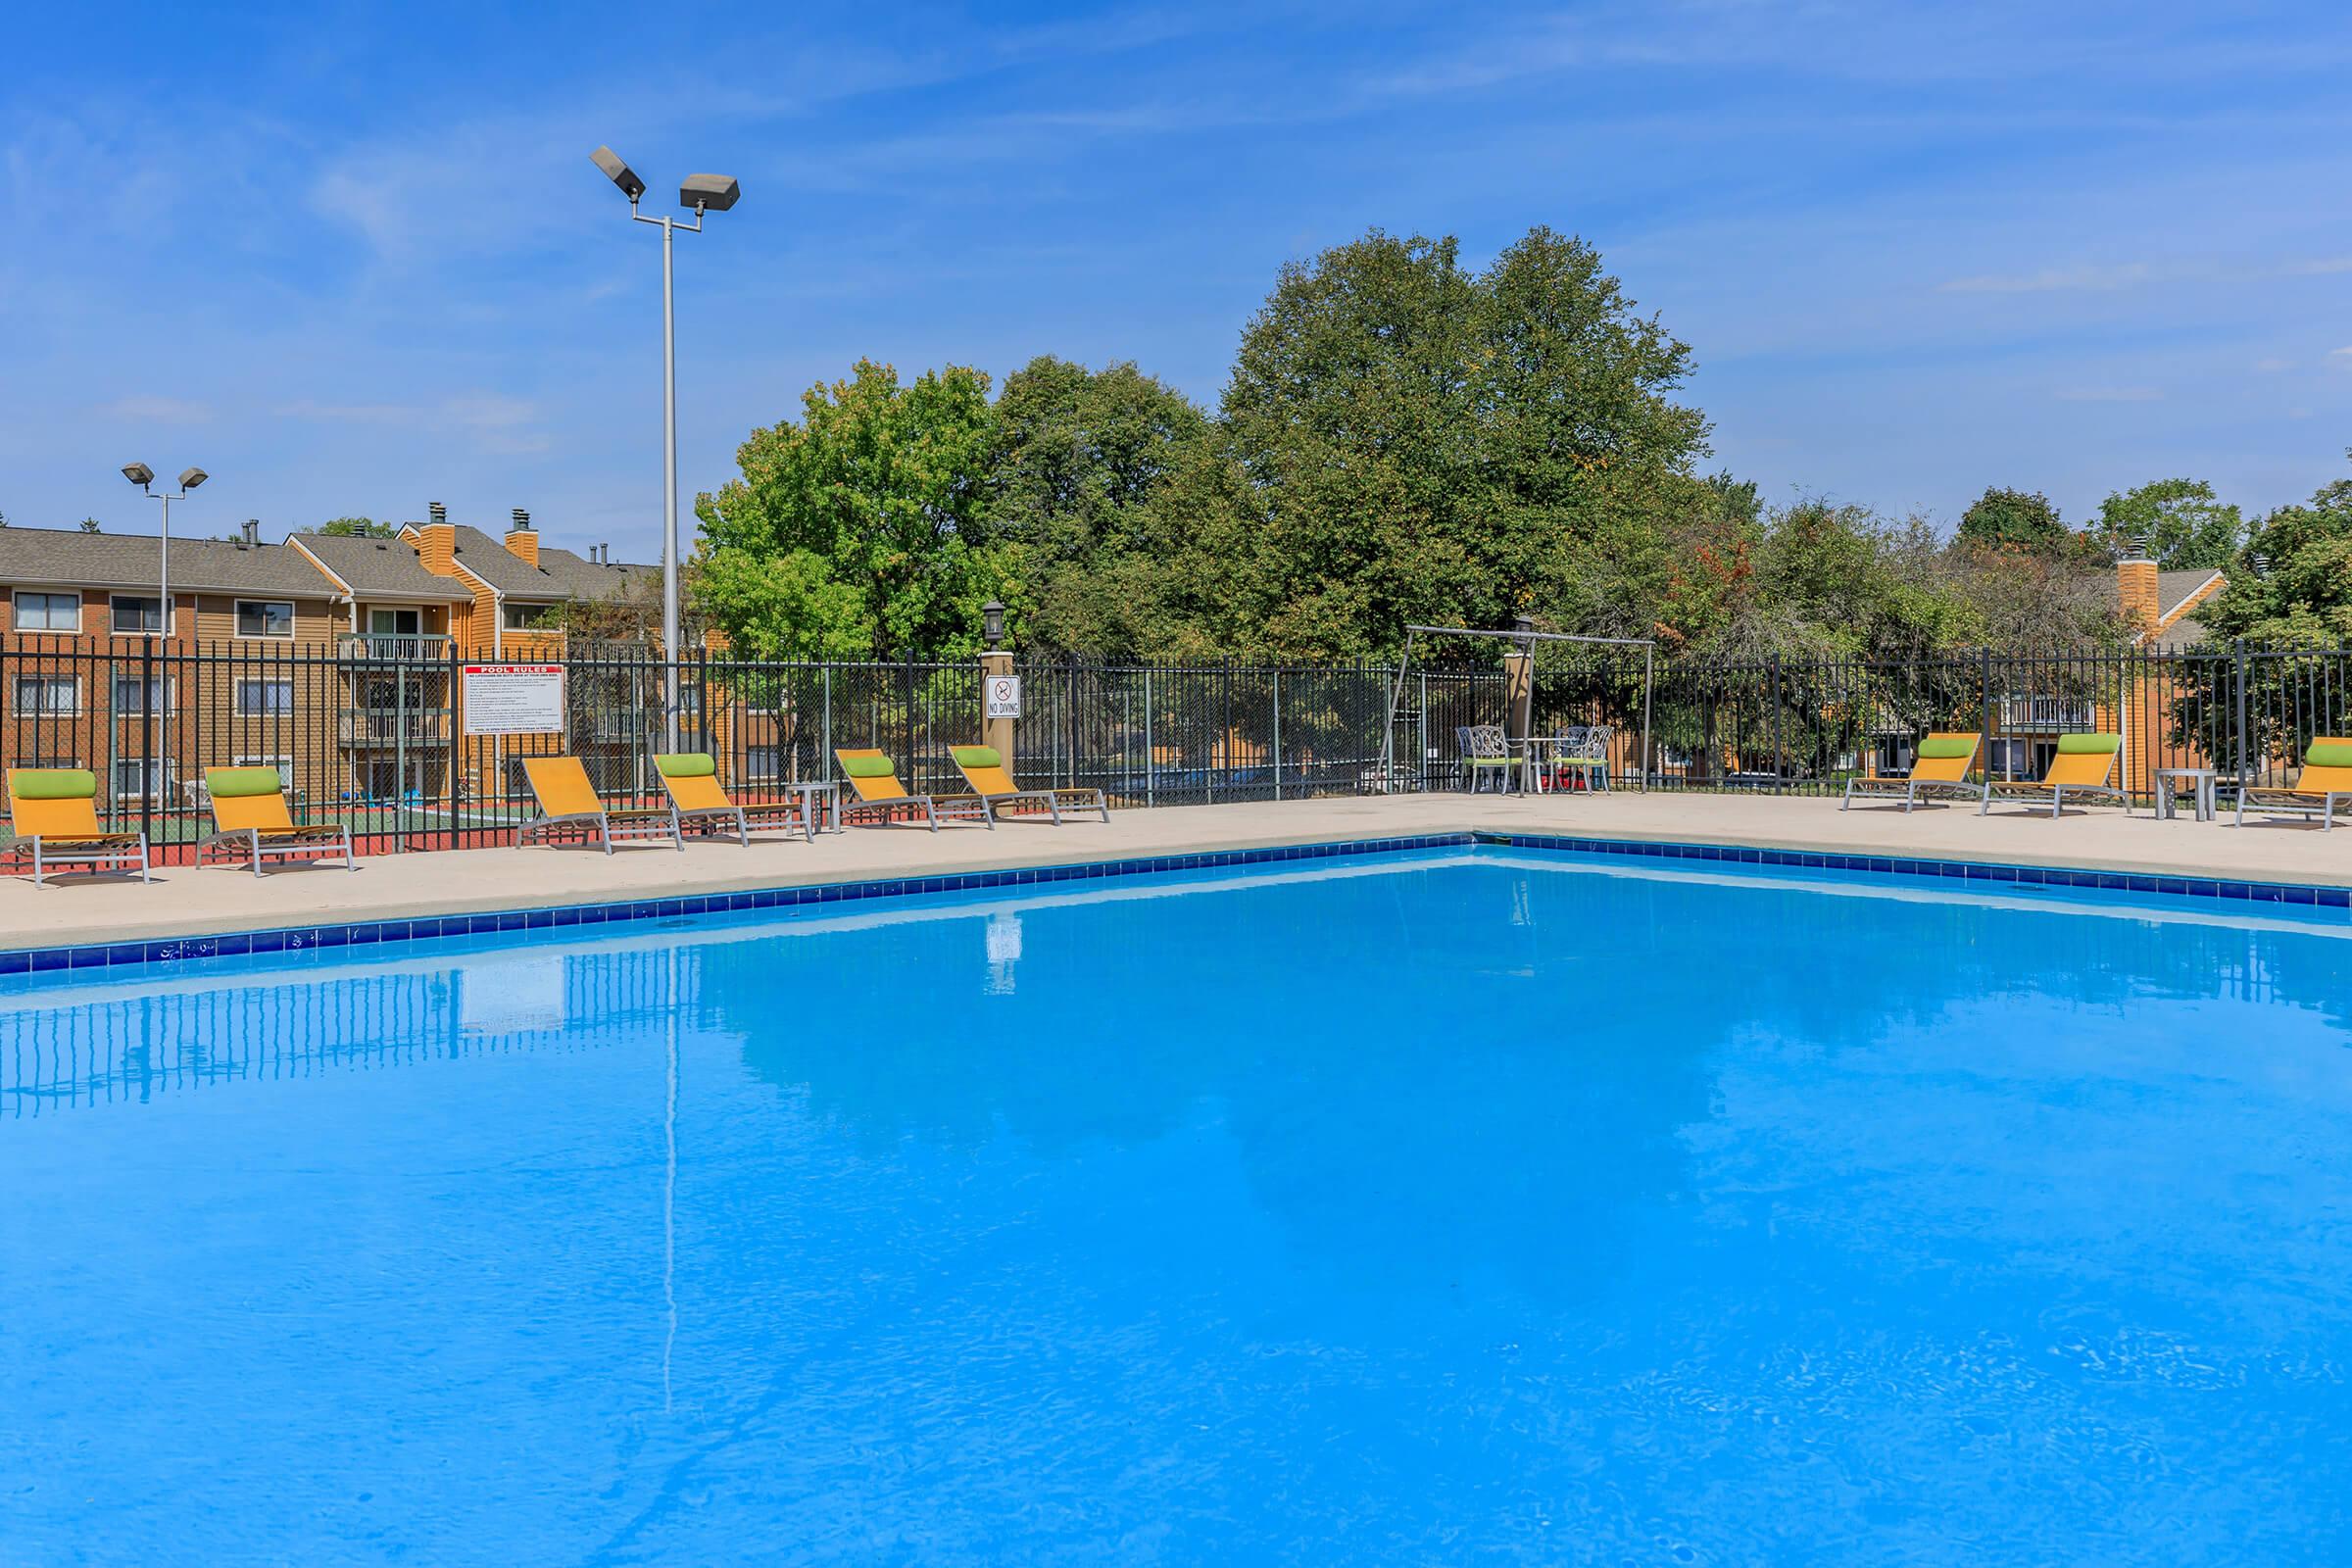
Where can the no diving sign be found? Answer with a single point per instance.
(1003, 696)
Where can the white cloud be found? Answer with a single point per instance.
(2111, 394)
(149, 409)
(494, 421)
(2273, 365)
(2053, 279)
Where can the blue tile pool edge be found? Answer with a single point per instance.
(2298, 895)
(367, 933)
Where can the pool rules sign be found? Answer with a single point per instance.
(1004, 697)
(514, 699)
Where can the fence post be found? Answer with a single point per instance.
(1985, 716)
(148, 781)
(1150, 758)
(1779, 763)
(2241, 717)
(1277, 732)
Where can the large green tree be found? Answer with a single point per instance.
(2291, 584)
(861, 527)
(2018, 520)
(2179, 522)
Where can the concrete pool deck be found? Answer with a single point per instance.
(185, 900)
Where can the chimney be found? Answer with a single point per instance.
(522, 540)
(253, 533)
(2136, 592)
(437, 542)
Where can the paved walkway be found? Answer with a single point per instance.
(185, 900)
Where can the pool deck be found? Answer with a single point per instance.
(190, 901)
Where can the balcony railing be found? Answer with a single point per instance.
(365, 727)
(2048, 714)
(395, 647)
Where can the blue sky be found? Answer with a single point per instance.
(355, 258)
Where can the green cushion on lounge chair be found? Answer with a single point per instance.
(977, 757)
(1943, 748)
(2337, 755)
(685, 765)
(2088, 745)
(874, 766)
(230, 783)
(56, 783)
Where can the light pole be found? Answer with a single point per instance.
(159, 685)
(714, 193)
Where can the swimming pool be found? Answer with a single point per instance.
(1464, 1205)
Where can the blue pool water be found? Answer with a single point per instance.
(1462, 1206)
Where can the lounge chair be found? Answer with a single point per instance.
(692, 780)
(874, 779)
(54, 814)
(250, 815)
(2084, 765)
(983, 769)
(2324, 780)
(567, 800)
(1940, 768)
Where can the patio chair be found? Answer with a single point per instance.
(1585, 748)
(2083, 766)
(983, 769)
(1485, 755)
(2326, 779)
(1940, 767)
(874, 779)
(249, 814)
(692, 780)
(567, 800)
(54, 814)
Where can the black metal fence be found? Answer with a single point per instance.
(376, 730)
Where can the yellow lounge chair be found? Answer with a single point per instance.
(874, 779)
(249, 814)
(54, 814)
(692, 780)
(2326, 778)
(1940, 767)
(568, 800)
(2084, 765)
(984, 769)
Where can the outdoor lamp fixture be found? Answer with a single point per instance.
(991, 624)
(704, 193)
(143, 476)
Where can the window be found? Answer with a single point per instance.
(48, 611)
(526, 618)
(130, 777)
(264, 699)
(133, 614)
(395, 622)
(763, 762)
(48, 696)
(264, 617)
(132, 695)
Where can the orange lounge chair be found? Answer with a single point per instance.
(692, 779)
(2326, 778)
(2084, 765)
(249, 814)
(874, 779)
(984, 769)
(567, 800)
(54, 814)
(1940, 767)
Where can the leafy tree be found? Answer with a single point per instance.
(2179, 522)
(1079, 456)
(861, 525)
(2291, 584)
(2018, 520)
(89, 525)
(359, 528)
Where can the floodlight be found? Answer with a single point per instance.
(138, 474)
(708, 192)
(618, 173)
(190, 479)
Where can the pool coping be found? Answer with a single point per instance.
(364, 933)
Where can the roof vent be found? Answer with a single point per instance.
(253, 533)
(436, 511)
(522, 519)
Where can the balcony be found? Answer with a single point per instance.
(370, 728)
(407, 648)
(2048, 715)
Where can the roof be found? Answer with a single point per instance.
(67, 557)
(2173, 589)
(559, 574)
(380, 568)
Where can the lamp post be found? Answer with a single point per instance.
(157, 686)
(715, 194)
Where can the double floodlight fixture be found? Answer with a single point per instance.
(143, 476)
(704, 193)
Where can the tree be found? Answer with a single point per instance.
(359, 528)
(89, 525)
(1079, 456)
(2179, 522)
(2018, 520)
(861, 525)
(2291, 583)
